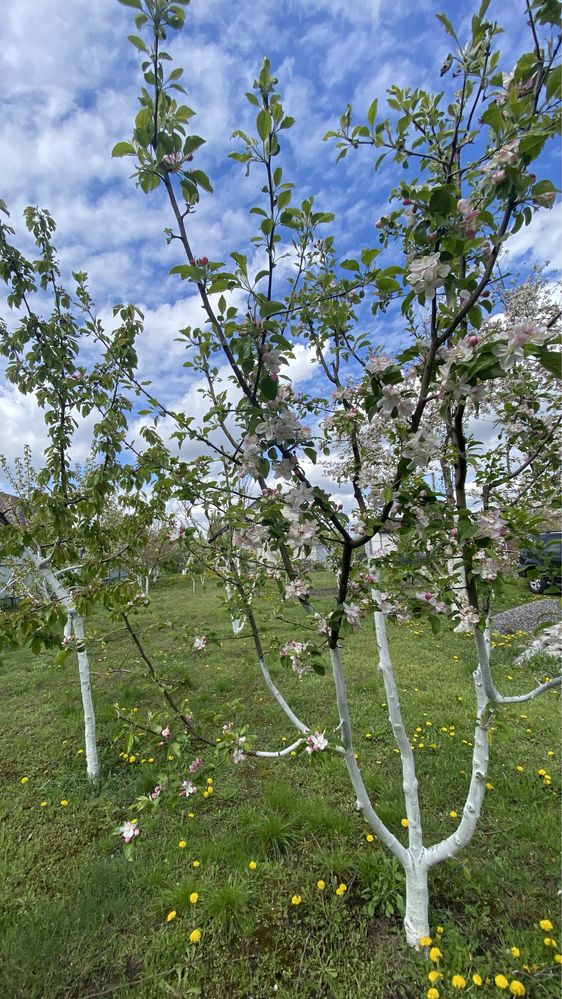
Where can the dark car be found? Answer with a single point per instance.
(541, 562)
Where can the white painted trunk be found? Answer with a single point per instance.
(238, 624)
(92, 764)
(74, 626)
(416, 917)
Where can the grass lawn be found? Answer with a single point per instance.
(78, 920)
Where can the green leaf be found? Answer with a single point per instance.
(268, 308)
(192, 143)
(554, 82)
(551, 360)
(268, 388)
(131, 3)
(372, 112)
(447, 25)
(350, 265)
(263, 124)
(123, 149)
(138, 43)
(201, 180)
(441, 202)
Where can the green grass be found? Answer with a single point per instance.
(77, 920)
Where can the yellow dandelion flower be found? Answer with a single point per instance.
(550, 753)
(370, 838)
(477, 979)
(195, 936)
(517, 988)
(515, 952)
(520, 769)
(171, 915)
(209, 790)
(252, 865)
(205, 794)
(425, 941)
(132, 759)
(191, 815)
(432, 993)
(434, 976)
(453, 814)
(196, 863)
(193, 897)
(405, 823)
(558, 958)
(182, 844)
(320, 885)
(489, 786)
(151, 759)
(458, 982)
(43, 804)
(440, 930)
(501, 982)
(545, 925)
(209, 780)
(296, 900)
(64, 803)
(24, 780)
(435, 955)
(341, 890)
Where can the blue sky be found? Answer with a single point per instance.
(70, 83)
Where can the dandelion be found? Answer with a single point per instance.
(64, 803)
(453, 814)
(43, 804)
(517, 988)
(425, 941)
(440, 930)
(196, 863)
(182, 844)
(435, 955)
(549, 942)
(252, 865)
(296, 900)
(434, 976)
(432, 993)
(193, 897)
(341, 890)
(501, 982)
(558, 958)
(520, 769)
(320, 885)
(132, 759)
(458, 982)
(195, 936)
(489, 786)
(171, 915)
(405, 823)
(370, 838)
(545, 925)
(24, 780)
(477, 979)
(515, 952)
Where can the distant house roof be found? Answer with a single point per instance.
(10, 509)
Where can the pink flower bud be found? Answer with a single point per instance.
(472, 340)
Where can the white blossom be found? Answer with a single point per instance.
(426, 274)
(316, 743)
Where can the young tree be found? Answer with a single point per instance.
(468, 182)
(53, 532)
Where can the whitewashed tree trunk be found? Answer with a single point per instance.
(237, 622)
(75, 627)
